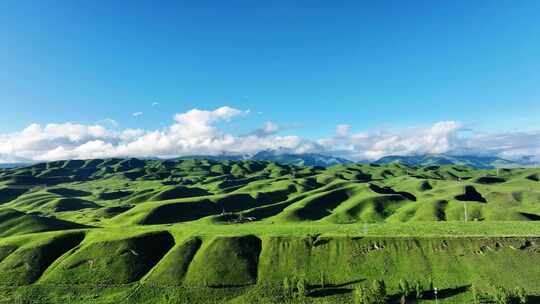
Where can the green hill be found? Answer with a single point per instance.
(247, 231)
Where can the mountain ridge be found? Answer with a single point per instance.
(287, 157)
(474, 161)
(281, 156)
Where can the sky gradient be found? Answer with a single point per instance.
(379, 69)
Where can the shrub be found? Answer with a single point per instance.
(374, 295)
(379, 292)
(404, 288)
(475, 294)
(418, 290)
(287, 287)
(402, 300)
(363, 295)
(360, 296)
(520, 295)
(301, 288)
(501, 295)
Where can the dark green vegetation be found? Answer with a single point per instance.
(200, 231)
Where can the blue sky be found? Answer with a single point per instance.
(306, 66)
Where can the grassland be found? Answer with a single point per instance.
(200, 231)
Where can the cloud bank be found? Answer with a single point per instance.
(197, 132)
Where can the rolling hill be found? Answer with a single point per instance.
(149, 231)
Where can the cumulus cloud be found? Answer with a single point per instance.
(441, 137)
(137, 114)
(155, 103)
(199, 132)
(509, 145)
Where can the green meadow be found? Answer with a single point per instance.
(201, 231)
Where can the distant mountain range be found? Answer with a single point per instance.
(306, 159)
(9, 166)
(313, 159)
(279, 156)
(479, 162)
(211, 157)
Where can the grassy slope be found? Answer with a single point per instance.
(168, 223)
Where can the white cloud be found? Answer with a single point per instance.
(196, 124)
(154, 103)
(441, 137)
(198, 132)
(137, 114)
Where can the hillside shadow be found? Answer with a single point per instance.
(446, 293)
(490, 180)
(328, 292)
(471, 195)
(533, 299)
(531, 216)
(388, 190)
(321, 206)
(318, 291)
(226, 286)
(67, 192)
(331, 285)
(180, 212)
(534, 177)
(430, 295)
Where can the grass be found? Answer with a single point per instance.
(118, 261)
(104, 231)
